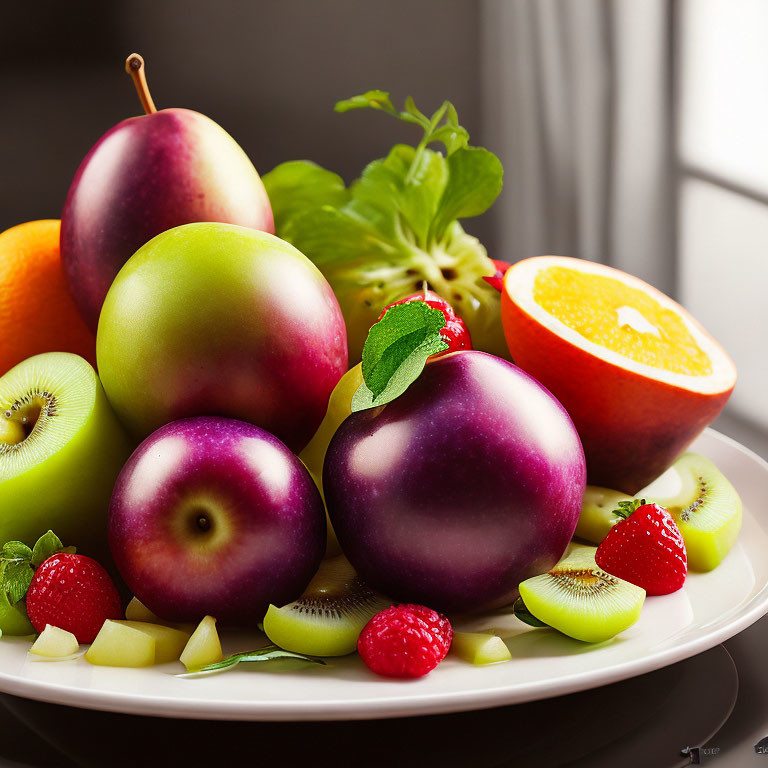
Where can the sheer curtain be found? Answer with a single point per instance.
(577, 99)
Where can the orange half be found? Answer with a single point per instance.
(640, 377)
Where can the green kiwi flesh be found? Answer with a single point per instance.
(328, 618)
(579, 599)
(707, 509)
(61, 455)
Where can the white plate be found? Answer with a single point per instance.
(711, 608)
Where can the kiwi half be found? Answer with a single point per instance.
(707, 510)
(328, 618)
(581, 600)
(61, 449)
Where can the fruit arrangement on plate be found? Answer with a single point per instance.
(321, 414)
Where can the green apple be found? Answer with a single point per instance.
(213, 319)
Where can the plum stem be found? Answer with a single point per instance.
(134, 66)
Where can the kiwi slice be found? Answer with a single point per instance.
(61, 449)
(581, 600)
(597, 517)
(328, 618)
(707, 510)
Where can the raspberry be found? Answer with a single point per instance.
(405, 641)
(72, 592)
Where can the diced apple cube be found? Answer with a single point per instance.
(479, 647)
(204, 647)
(169, 642)
(137, 611)
(119, 645)
(55, 643)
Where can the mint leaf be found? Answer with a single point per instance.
(475, 178)
(520, 610)
(268, 653)
(397, 225)
(442, 127)
(16, 550)
(368, 100)
(16, 576)
(299, 185)
(396, 352)
(48, 544)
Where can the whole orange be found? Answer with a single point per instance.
(37, 313)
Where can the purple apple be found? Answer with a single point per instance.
(146, 175)
(468, 483)
(215, 516)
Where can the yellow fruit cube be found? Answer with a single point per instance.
(204, 647)
(119, 645)
(169, 642)
(55, 643)
(479, 648)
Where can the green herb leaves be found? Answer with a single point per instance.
(18, 563)
(397, 225)
(396, 352)
(15, 570)
(443, 126)
(268, 653)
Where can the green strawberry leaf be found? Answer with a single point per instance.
(520, 610)
(16, 576)
(18, 563)
(396, 352)
(48, 544)
(268, 653)
(626, 508)
(15, 551)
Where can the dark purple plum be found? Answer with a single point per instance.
(215, 516)
(467, 484)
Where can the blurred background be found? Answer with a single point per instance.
(631, 133)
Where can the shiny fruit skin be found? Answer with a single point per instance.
(264, 534)
(146, 175)
(632, 427)
(74, 593)
(465, 485)
(37, 313)
(647, 550)
(214, 319)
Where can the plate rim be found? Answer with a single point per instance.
(406, 704)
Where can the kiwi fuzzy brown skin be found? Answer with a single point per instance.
(66, 441)
(329, 616)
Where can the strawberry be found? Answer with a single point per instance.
(645, 548)
(72, 592)
(454, 334)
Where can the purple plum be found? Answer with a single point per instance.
(465, 485)
(142, 177)
(215, 516)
